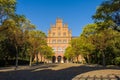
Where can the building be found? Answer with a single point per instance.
(58, 38)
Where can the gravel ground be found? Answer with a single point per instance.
(67, 71)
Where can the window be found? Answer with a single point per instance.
(53, 34)
(64, 41)
(64, 34)
(54, 49)
(53, 41)
(59, 52)
(59, 41)
(59, 49)
(64, 49)
(59, 34)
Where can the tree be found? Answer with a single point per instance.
(7, 8)
(108, 16)
(10, 21)
(47, 52)
(87, 48)
(89, 29)
(104, 42)
(41, 44)
(86, 41)
(109, 11)
(98, 42)
(7, 51)
(69, 53)
(17, 33)
(76, 47)
(14, 35)
(36, 39)
(25, 26)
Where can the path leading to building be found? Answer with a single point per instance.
(56, 72)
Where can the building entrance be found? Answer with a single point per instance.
(64, 59)
(59, 59)
(53, 59)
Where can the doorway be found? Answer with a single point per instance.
(59, 59)
(53, 59)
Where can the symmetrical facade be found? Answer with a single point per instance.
(58, 38)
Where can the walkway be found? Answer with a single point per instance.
(55, 72)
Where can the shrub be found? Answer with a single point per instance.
(117, 61)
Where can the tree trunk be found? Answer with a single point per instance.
(30, 63)
(41, 57)
(37, 58)
(16, 63)
(103, 59)
(44, 59)
(88, 58)
(67, 60)
(77, 59)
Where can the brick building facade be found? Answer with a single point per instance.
(58, 38)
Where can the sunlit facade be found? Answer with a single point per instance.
(58, 38)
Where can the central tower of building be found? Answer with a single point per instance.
(58, 38)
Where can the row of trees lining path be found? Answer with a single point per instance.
(19, 39)
(99, 43)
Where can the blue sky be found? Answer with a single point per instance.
(42, 13)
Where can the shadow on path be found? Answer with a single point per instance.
(49, 74)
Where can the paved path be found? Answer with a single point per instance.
(54, 72)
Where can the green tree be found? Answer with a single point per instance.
(89, 29)
(36, 39)
(69, 53)
(47, 52)
(17, 33)
(108, 16)
(87, 47)
(86, 41)
(14, 34)
(7, 9)
(25, 26)
(76, 47)
(99, 42)
(109, 11)
(103, 41)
